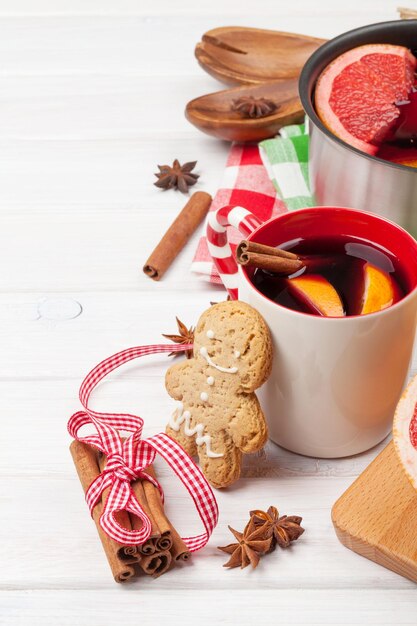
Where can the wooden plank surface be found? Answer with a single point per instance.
(92, 98)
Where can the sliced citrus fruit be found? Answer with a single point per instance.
(379, 289)
(405, 431)
(403, 160)
(403, 156)
(317, 294)
(355, 94)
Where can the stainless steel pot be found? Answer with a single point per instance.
(341, 175)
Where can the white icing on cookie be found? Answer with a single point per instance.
(210, 380)
(236, 354)
(204, 396)
(210, 334)
(179, 417)
(226, 370)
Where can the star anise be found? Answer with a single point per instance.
(249, 106)
(282, 530)
(250, 546)
(186, 335)
(176, 176)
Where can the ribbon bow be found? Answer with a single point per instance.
(127, 460)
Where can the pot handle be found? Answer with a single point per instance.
(218, 244)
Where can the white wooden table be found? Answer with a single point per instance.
(92, 98)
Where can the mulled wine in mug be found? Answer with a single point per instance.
(342, 324)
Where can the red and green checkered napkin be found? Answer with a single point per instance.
(268, 179)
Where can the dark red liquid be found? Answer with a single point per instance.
(401, 144)
(343, 264)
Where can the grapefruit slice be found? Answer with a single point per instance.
(405, 431)
(379, 290)
(317, 294)
(355, 95)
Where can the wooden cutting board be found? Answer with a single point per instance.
(377, 516)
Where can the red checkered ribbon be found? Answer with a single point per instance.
(127, 460)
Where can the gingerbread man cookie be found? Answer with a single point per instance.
(218, 415)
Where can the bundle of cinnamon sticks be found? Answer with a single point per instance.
(268, 258)
(282, 262)
(161, 551)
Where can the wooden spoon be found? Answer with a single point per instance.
(213, 113)
(237, 55)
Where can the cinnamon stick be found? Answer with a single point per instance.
(177, 235)
(153, 498)
(268, 258)
(178, 548)
(283, 262)
(149, 546)
(260, 248)
(86, 463)
(156, 564)
(274, 264)
(128, 554)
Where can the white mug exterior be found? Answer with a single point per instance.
(335, 382)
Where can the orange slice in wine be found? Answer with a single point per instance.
(379, 290)
(317, 294)
(404, 156)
